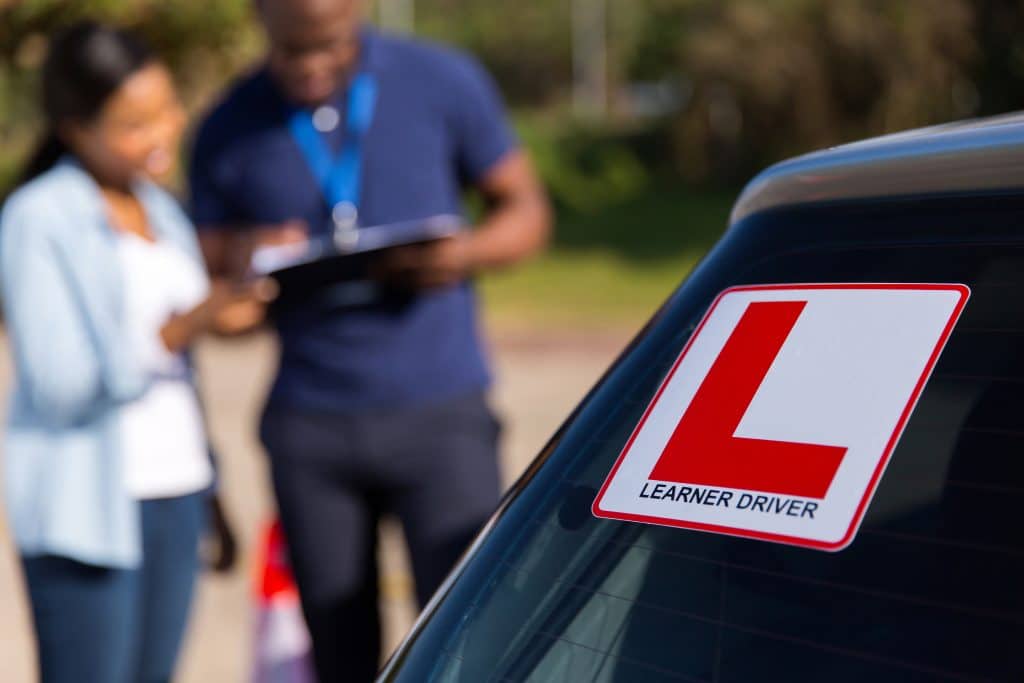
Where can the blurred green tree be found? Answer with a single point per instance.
(757, 80)
(773, 79)
(526, 44)
(204, 41)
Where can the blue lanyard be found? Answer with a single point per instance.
(338, 175)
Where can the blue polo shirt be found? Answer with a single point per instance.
(438, 126)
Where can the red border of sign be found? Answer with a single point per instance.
(869, 492)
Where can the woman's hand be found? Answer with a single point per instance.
(230, 308)
(240, 308)
(221, 547)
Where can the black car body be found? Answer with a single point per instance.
(930, 586)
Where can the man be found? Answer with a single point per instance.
(378, 406)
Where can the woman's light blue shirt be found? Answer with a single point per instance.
(61, 285)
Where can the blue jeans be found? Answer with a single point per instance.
(103, 625)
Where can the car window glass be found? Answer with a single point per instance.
(929, 589)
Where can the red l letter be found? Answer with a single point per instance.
(703, 449)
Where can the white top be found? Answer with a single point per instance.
(162, 436)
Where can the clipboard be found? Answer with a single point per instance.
(344, 257)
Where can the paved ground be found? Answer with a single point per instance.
(540, 379)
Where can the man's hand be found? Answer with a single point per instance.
(516, 226)
(247, 242)
(441, 263)
(228, 252)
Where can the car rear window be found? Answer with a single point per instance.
(928, 590)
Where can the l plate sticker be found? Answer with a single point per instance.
(779, 416)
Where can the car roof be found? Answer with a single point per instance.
(968, 156)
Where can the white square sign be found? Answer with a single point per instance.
(779, 416)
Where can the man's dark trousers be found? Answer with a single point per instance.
(433, 466)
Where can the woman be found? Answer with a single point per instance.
(103, 290)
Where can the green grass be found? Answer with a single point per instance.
(613, 267)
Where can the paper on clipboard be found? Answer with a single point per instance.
(273, 258)
(336, 268)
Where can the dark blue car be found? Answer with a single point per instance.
(845, 370)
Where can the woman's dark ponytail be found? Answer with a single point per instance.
(85, 65)
(49, 149)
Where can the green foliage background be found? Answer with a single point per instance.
(764, 78)
(639, 198)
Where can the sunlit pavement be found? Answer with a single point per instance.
(540, 379)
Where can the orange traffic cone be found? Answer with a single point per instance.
(282, 646)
